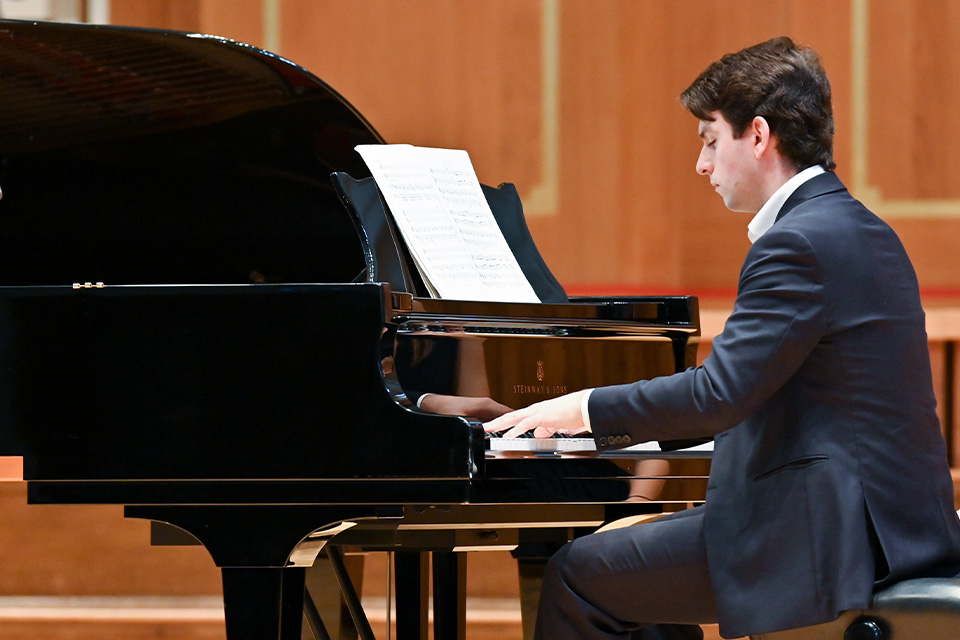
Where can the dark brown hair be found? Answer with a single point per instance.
(783, 83)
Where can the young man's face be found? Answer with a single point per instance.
(730, 164)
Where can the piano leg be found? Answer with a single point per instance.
(412, 580)
(449, 595)
(252, 545)
(263, 602)
(532, 557)
(530, 572)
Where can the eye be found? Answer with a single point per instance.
(710, 144)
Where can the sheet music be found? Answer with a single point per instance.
(438, 206)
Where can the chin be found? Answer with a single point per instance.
(732, 205)
(738, 207)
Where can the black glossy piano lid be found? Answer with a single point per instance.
(144, 156)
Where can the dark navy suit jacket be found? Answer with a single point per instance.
(829, 469)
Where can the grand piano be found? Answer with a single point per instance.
(193, 324)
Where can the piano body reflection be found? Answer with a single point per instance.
(192, 325)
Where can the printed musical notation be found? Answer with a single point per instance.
(439, 208)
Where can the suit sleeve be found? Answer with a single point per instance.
(778, 318)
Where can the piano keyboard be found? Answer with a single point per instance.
(572, 443)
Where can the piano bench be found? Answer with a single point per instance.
(918, 609)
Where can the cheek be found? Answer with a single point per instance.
(721, 164)
(730, 165)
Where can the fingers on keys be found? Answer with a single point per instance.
(506, 421)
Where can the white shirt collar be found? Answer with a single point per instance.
(767, 215)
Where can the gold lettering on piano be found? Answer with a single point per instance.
(540, 389)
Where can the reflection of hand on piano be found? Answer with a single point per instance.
(556, 415)
(480, 408)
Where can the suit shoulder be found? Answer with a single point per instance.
(832, 217)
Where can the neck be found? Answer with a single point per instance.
(775, 176)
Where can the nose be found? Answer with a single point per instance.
(703, 166)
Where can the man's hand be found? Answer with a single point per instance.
(479, 408)
(557, 415)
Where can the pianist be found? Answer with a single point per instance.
(829, 476)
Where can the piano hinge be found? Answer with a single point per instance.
(89, 285)
(402, 301)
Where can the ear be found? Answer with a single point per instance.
(759, 129)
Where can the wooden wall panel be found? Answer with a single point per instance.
(432, 72)
(630, 213)
(236, 19)
(91, 550)
(914, 81)
(170, 14)
(934, 247)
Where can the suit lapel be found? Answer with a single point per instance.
(822, 184)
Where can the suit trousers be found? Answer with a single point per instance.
(647, 581)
